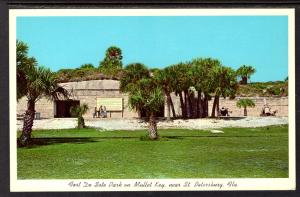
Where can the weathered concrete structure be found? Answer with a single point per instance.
(82, 92)
(275, 103)
(94, 92)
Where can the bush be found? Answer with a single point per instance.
(147, 138)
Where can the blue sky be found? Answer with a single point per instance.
(159, 41)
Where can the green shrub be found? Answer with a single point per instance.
(147, 138)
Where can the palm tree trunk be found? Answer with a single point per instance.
(245, 111)
(152, 127)
(168, 109)
(187, 103)
(27, 124)
(172, 107)
(168, 104)
(218, 106)
(191, 99)
(183, 109)
(199, 105)
(205, 106)
(80, 123)
(213, 112)
(244, 80)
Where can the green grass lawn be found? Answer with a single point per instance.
(89, 153)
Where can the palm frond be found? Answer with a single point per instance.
(245, 103)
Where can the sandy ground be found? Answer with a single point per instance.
(135, 124)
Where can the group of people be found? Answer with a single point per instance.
(266, 111)
(100, 112)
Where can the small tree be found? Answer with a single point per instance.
(34, 82)
(87, 66)
(148, 96)
(79, 111)
(40, 82)
(112, 62)
(244, 72)
(245, 103)
(143, 92)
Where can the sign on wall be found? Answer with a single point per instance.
(111, 104)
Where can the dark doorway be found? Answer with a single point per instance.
(63, 108)
(159, 114)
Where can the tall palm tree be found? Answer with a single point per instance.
(202, 79)
(79, 111)
(131, 74)
(245, 103)
(40, 82)
(225, 84)
(175, 84)
(180, 84)
(24, 63)
(244, 72)
(163, 79)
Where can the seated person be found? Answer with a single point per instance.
(95, 113)
(224, 111)
(267, 110)
(101, 112)
(104, 112)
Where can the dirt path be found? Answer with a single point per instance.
(134, 124)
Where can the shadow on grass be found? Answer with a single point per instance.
(36, 142)
(211, 136)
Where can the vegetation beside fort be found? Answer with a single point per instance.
(270, 88)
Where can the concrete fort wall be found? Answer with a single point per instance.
(47, 109)
(276, 103)
(88, 92)
(44, 106)
(90, 97)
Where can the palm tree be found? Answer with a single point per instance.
(112, 62)
(143, 93)
(148, 96)
(245, 72)
(202, 75)
(131, 74)
(40, 82)
(245, 103)
(180, 83)
(163, 79)
(79, 111)
(24, 63)
(175, 84)
(225, 84)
